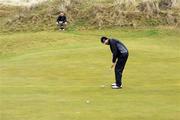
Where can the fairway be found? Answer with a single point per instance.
(59, 76)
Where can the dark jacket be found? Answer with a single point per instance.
(117, 49)
(62, 18)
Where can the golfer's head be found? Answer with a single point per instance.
(105, 40)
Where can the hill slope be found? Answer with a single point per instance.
(88, 14)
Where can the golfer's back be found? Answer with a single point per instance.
(120, 46)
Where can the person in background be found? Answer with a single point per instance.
(61, 21)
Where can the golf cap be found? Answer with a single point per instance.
(103, 39)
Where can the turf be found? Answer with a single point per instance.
(52, 75)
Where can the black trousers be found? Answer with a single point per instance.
(121, 62)
(61, 25)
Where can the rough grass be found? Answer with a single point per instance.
(88, 14)
(52, 75)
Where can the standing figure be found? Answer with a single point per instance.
(120, 56)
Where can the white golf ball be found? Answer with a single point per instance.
(102, 86)
(87, 101)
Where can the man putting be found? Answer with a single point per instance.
(120, 56)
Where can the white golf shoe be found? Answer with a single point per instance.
(116, 87)
(114, 84)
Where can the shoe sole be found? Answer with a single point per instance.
(115, 85)
(117, 88)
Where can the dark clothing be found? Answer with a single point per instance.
(119, 52)
(61, 22)
(61, 19)
(121, 62)
(117, 48)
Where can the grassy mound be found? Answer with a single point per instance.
(89, 14)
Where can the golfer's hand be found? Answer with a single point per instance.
(112, 66)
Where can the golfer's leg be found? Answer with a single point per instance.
(118, 72)
(119, 69)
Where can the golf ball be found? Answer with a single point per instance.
(87, 101)
(102, 86)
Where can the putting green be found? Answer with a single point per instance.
(59, 76)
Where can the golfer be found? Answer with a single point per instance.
(120, 56)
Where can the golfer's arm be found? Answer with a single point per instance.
(114, 58)
(115, 51)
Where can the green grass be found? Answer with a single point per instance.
(51, 75)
